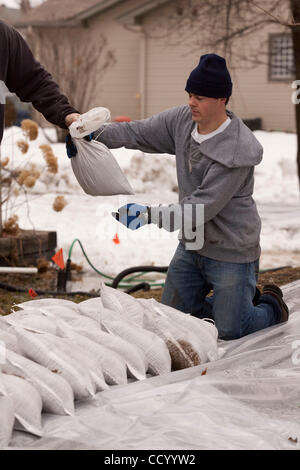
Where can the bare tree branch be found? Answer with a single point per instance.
(228, 27)
(277, 20)
(77, 60)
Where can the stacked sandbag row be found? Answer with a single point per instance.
(57, 352)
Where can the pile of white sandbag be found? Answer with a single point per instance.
(57, 352)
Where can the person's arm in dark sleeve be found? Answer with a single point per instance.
(31, 82)
(152, 135)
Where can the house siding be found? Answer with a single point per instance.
(119, 88)
(253, 94)
(150, 75)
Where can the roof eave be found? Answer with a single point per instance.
(131, 17)
(134, 16)
(100, 8)
(46, 24)
(73, 21)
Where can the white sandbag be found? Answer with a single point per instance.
(69, 344)
(44, 349)
(111, 314)
(55, 391)
(3, 323)
(154, 348)
(107, 361)
(2, 387)
(27, 404)
(133, 356)
(91, 308)
(60, 312)
(89, 122)
(205, 331)
(7, 418)
(97, 171)
(32, 319)
(123, 303)
(180, 316)
(4, 326)
(38, 303)
(9, 339)
(54, 311)
(112, 365)
(182, 344)
(82, 321)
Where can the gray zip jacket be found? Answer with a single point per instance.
(218, 173)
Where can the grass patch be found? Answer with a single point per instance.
(47, 281)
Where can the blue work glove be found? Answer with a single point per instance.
(71, 147)
(133, 215)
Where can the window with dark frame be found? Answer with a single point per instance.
(281, 61)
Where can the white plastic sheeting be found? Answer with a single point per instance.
(248, 399)
(89, 122)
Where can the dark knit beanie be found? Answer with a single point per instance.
(210, 78)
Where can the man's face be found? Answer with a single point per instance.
(205, 109)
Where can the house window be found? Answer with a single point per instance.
(281, 61)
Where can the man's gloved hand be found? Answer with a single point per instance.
(71, 147)
(133, 215)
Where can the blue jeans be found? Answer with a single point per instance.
(191, 277)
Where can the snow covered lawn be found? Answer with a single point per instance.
(153, 178)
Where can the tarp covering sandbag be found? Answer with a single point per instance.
(59, 353)
(96, 169)
(246, 399)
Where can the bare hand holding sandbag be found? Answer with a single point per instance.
(96, 169)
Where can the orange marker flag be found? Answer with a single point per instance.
(58, 259)
(116, 239)
(32, 293)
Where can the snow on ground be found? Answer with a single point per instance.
(153, 178)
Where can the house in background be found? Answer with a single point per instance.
(16, 111)
(149, 74)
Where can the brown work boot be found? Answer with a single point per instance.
(276, 292)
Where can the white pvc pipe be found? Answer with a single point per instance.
(8, 269)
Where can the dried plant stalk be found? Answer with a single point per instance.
(11, 225)
(51, 160)
(5, 162)
(29, 177)
(29, 182)
(30, 129)
(23, 146)
(76, 267)
(42, 265)
(59, 203)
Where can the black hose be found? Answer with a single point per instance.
(119, 277)
(116, 281)
(44, 292)
(142, 286)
